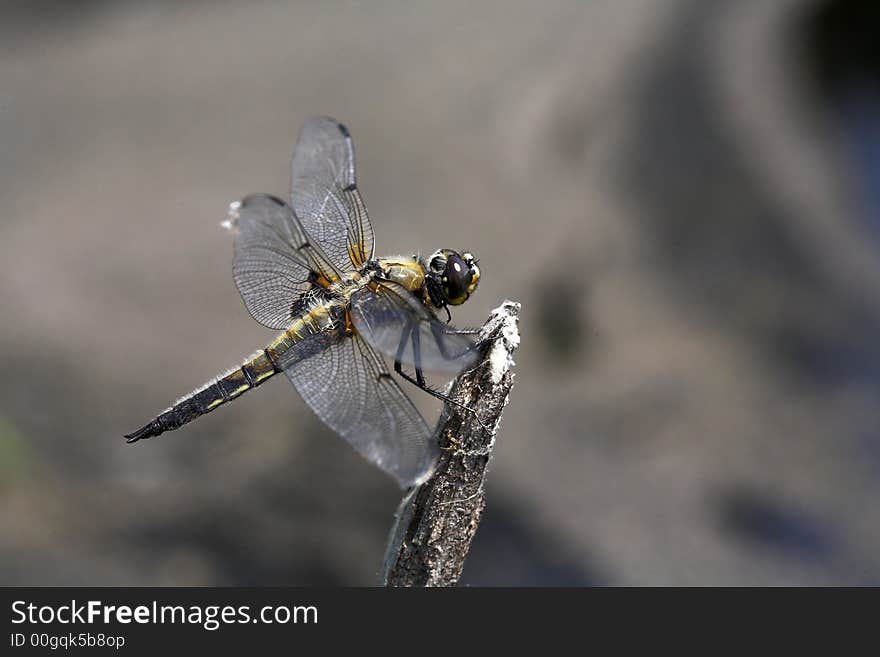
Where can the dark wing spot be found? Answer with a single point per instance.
(344, 131)
(350, 188)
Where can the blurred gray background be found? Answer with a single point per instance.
(683, 194)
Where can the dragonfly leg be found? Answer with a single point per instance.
(417, 358)
(419, 380)
(439, 336)
(404, 336)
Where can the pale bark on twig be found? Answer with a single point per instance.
(436, 521)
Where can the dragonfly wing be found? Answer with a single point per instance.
(325, 196)
(347, 385)
(274, 262)
(388, 318)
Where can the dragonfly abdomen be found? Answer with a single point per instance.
(255, 370)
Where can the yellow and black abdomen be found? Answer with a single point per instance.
(289, 347)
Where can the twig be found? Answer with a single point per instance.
(436, 521)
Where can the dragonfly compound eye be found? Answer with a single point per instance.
(458, 280)
(475, 271)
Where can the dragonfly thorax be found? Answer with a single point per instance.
(406, 272)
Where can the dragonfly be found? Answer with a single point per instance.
(308, 269)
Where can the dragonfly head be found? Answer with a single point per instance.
(454, 275)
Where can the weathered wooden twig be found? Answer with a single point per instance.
(436, 521)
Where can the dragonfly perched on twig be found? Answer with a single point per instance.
(308, 269)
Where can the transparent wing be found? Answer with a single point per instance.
(324, 193)
(274, 262)
(398, 325)
(347, 386)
